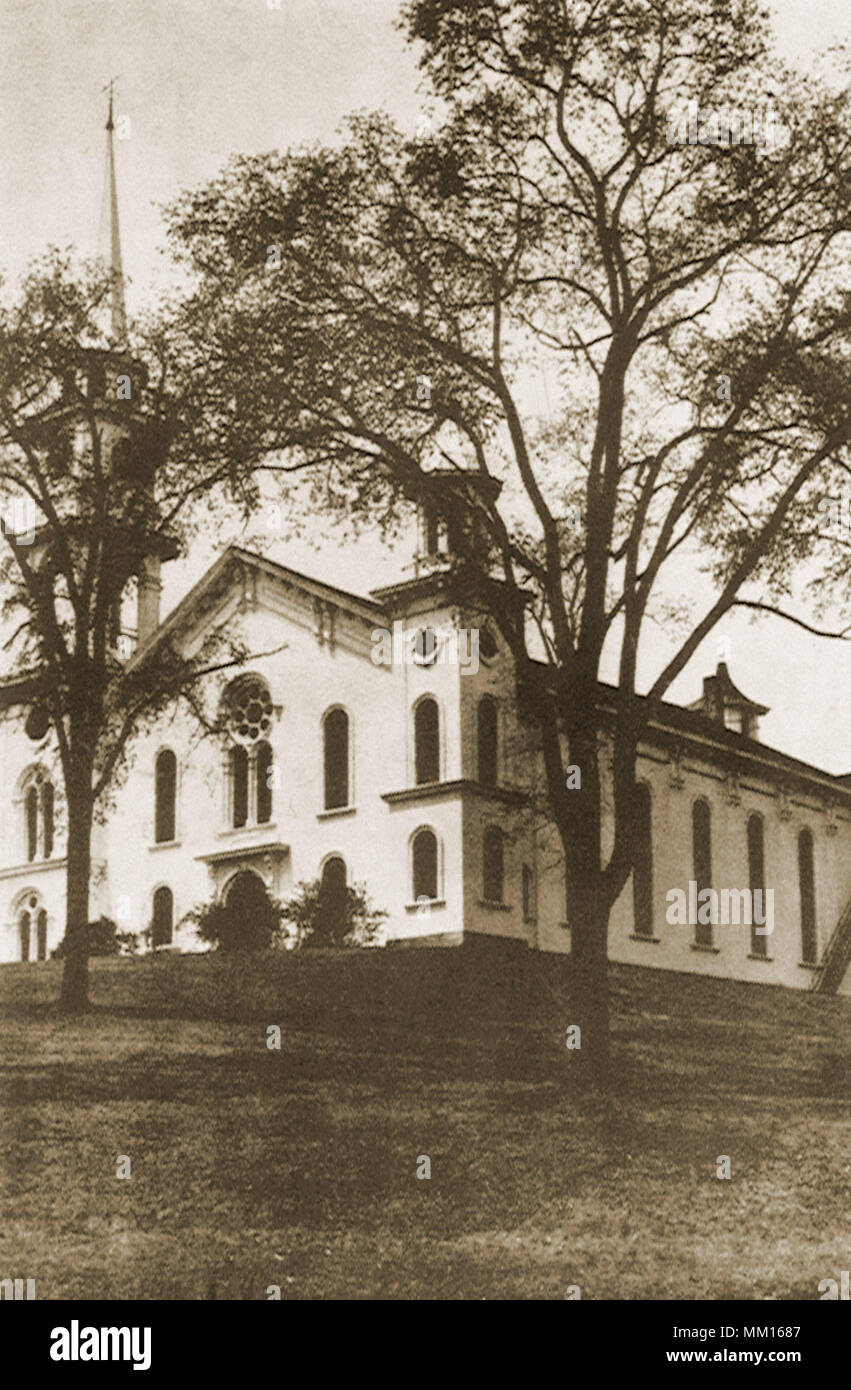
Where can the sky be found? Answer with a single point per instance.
(200, 80)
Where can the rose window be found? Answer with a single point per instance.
(249, 710)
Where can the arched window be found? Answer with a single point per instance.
(333, 881)
(248, 712)
(239, 785)
(701, 845)
(47, 816)
(38, 814)
(756, 877)
(426, 742)
(163, 917)
(424, 864)
(31, 808)
(165, 791)
(529, 905)
(642, 869)
(41, 932)
(335, 732)
(487, 741)
(24, 932)
(331, 924)
(492, 865)
(807, 889)
(264, 782)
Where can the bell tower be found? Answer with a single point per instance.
(451, 506)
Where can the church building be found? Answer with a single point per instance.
(376, 740)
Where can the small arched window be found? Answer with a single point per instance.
(642, 869)
(239, 785)
(426, 742)
(333, 881)
(424, 864)
(330, 928)
(493, 867)
(41, 932)
(529, 905)
(335, 732)
(265, 775)
(487, 740)
(807, 889)
(24, 934)
(756, 877)
(163, 917)
(701, 840)
(165, 794)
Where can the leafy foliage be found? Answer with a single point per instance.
(103, 939)
(248, 920)
(320, 918)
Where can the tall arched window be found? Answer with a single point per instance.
(426, 742)
(162, 921)
(24, 934)
(756, 877)
(38, 800)
(263, 764)
(165, 795)
(239, 785)
(642, 870)
(493, 868)
(487, 741)
(41, 932)
(701, 844)
(424, 864)
(248, 720)
(31, 811)
(335, 733)
(807, 889)
(47, 816)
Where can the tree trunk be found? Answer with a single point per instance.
(74, 997)
(589, 992)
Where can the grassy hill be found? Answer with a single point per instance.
(297, 1167)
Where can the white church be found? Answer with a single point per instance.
(369, 744)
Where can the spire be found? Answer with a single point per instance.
(118, 311)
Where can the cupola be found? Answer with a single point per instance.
(724, 702)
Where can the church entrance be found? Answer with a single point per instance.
(246, 894)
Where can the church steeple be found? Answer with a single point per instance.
(118, 310)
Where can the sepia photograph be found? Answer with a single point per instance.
(425, 655)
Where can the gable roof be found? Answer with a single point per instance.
(366, 609)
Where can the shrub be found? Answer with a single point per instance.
(343, 917)
(249, 919)
(104, 939)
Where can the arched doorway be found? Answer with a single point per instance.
(246, 892)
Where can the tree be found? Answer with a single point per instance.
(330, 912)
(248, 920)
(385, 303)
(95, 462)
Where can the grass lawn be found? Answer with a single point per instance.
(297, 1167)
